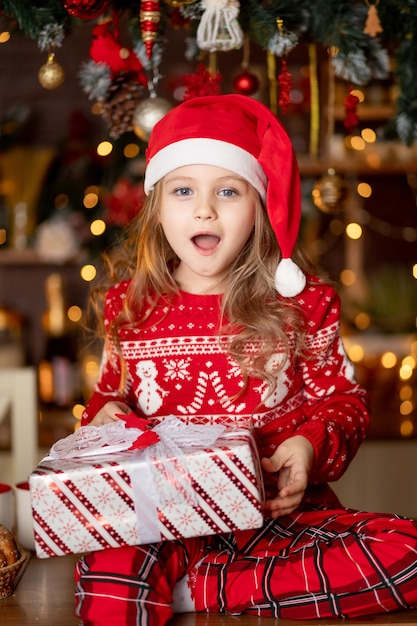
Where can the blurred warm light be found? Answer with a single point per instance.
(364, 190)
(78, 410)
(357, 143)
(104, 148)
(6, 187)
(406, 372)
(97, 227)
(354, 230)
(406, 428)
(74, 313)
(409, 360)
(131, 150)
(368, 135)
(373, 160)
(88, 272)
(347, 277)
(45, 381)
(3, 236)
(406, 407)
(356, 353)
(97, 108)
(4, 36)
(415, 270)
(388, 360)
(406, 392)
(90, 372)
(91, 367)
(359, 94)
(61, 201)
(362, 320)
(90, 200)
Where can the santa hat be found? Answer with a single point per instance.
(242, 135)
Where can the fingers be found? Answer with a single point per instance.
(108, 413)
(286, 502)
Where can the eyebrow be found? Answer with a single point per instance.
(180, 177)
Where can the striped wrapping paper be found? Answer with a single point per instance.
(88, 504)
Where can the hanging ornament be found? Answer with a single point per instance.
(202, 83)
(118, 107)
(351, 118)
(284, 87)
(51, 75)
(147, 114)
(86, 9)
(330, 192)
(149, 17)
(284, 77)
(373, 25)
(246, 83)
(106, 48)
(219, 28)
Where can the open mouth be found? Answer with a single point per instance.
(205, 242)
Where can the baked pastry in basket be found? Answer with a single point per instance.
(9, 552)
(12, 559)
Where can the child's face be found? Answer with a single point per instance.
(207, 214)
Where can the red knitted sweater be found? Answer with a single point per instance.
(177, 364)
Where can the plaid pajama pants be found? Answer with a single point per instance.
(318, 563)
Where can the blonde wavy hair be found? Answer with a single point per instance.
(252, 312)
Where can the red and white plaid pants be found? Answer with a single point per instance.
(311, 564)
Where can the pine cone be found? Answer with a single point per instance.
(123, 96)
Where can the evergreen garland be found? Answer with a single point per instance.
(329, 23)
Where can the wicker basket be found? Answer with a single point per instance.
(9, 575)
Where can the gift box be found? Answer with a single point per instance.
(130, 498)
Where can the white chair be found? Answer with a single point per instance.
(18, 396)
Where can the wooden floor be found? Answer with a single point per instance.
(44, 596)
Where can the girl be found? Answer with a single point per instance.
(212, 320)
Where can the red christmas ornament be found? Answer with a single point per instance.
(201, 83)
(106, 48)
(246, 83)
(86, 9)
(149, 17)
(351, 118)
(284, 85)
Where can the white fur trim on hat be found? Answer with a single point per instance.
(204, 151)
(289, 279)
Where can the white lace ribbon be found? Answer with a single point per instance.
(94, 440)
(160, 475)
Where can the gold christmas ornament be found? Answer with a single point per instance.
(330, 192)
(147, 114)
(51, 75)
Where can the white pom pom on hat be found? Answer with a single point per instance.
(242, 135)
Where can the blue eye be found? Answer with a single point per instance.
(228, 193)
(182, 191)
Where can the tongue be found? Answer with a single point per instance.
(206, 241)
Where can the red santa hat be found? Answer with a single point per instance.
(242, 135)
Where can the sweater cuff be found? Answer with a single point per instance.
(96, 402)
(316, 432)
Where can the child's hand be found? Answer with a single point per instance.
(108, 413)
(293, 460)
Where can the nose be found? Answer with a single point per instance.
(205, 209)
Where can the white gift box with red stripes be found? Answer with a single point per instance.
(129, 498)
